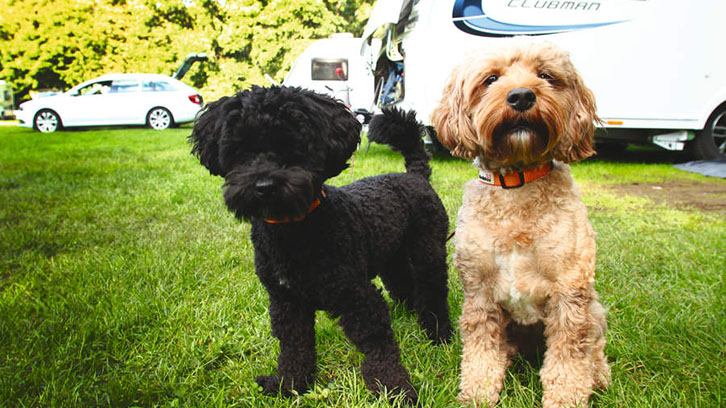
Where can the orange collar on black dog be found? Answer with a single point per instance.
(312, 208)
(514, 179)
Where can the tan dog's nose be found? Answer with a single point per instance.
(521, 99)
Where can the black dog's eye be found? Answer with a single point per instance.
(491, 79)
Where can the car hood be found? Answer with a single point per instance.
(46, 100)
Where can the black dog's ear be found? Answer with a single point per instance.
(324, 122)
(207, 133)
(343, 135)
(341, 148)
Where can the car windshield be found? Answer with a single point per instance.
(96, 88)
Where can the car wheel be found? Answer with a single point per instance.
(159, 119)
(710, 143)
(46, 121)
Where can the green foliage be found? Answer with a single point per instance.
(60, 43)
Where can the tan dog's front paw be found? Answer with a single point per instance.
(559, 400)
(602, 375)
(480, 399)
(571, 388)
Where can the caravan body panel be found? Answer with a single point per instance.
(651, 64)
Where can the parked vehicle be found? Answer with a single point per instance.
(7, 100)
(334, 66)
(656, 68)
(158, 101)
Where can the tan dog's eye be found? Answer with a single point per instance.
(547, 77)
(491, 79)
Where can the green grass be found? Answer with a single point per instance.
(125, 282)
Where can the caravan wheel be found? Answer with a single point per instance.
(710, 143)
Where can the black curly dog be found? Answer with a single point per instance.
(317, 247)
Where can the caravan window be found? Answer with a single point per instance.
(329, 69)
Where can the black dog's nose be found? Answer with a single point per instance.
(264, 186)
(521, 99)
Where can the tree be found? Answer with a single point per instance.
(60, 43)
(264, 38)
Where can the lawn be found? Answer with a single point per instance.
(124, 281)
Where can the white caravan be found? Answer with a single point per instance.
(334, 66)
(657, 67)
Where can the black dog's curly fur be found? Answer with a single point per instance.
(275, 147)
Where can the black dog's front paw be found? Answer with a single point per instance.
(438, 333)
(273, 385)
(390, 378)
(443, 335)
(410, 397)
(406, 390)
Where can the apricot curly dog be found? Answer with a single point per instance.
(524, 246)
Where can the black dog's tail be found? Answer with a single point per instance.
(403, 133)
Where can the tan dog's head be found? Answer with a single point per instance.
(517, 108)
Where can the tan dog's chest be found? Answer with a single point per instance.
(514, 290)
(519, 252)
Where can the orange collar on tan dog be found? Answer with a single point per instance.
(312, 208)
(514, 179)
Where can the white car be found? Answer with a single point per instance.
(158, 101)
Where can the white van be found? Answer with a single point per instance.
(657, 67)
(334, 66)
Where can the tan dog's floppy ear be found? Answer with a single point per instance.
(451, 119)
(578, 143)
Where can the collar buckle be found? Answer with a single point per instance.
(504, 185)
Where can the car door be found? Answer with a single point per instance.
(126, 103)
(87, 106)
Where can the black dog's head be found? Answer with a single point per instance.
(275, 147)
